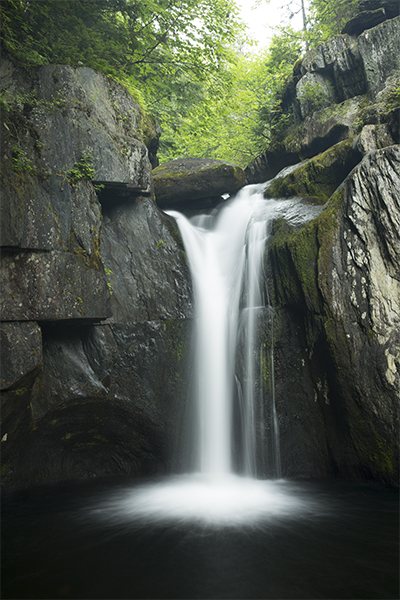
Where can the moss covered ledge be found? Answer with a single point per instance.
(319, 177)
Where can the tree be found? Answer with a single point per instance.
(294, 7)
(146, 40)
(232, 117)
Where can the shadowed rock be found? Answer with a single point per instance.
(364, 20)
(21, 353)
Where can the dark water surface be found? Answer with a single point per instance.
(61, 542)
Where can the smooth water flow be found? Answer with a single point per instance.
(234, 442)
(223, 253)
(234, 363)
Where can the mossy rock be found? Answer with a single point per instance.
(185, 182)
(319, 177)
(294, 258)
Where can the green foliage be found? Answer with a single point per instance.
(177, 59)
(314, 96)
(20, 162)
(160, 244)
(231, 117)
(108, 272)
(393, 100)
(138, 42)
(82, 170)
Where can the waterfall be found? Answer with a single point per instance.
(233, 475)
(226, 254)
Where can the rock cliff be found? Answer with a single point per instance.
(336, 288)
(335, 282)
(96, 294)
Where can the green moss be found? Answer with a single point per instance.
(160, 244)
(393, 99)
(100, 438)
(21, 391)
(319, 177)
(295, 255)
(286, 286)
(303, 246)
(301, 259)
(328, 225)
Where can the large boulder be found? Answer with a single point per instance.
(391, 7)
(352, 66)
(71, 113)
(324, 128)
(364, 20)
(194, 182)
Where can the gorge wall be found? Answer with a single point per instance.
(96, 295)
(336, 281)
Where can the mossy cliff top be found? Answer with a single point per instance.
(319, 177)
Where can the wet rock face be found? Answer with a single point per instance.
(195, 182)
(108, 400)
(300, 394)
(72, 113)
(341, 272)
(366, 259)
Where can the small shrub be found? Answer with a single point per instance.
(82, 170)
(20, 162)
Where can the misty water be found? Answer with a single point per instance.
(229, 525)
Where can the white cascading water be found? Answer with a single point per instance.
(226, 255)
(233, 377)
